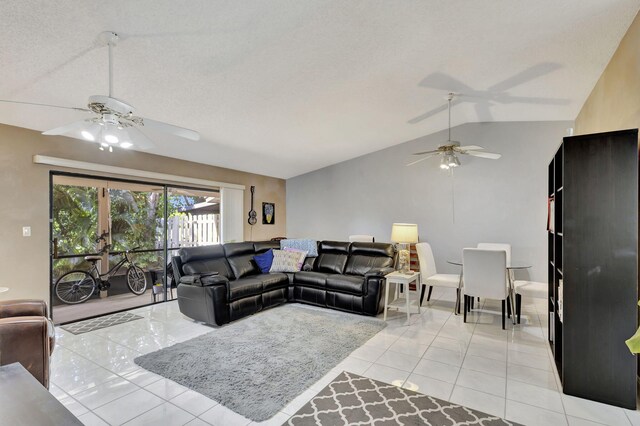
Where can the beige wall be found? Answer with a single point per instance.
(24, 199)
(614, 103)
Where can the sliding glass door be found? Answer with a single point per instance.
(118, 236)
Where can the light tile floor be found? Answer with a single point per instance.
(477, 364)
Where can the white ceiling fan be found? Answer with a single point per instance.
(451, 149)
(114, 122)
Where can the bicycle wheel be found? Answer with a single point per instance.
(75, 287)
(136, 280)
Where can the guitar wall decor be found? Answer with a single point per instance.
(252, 213)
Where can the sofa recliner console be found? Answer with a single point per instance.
(344, 276)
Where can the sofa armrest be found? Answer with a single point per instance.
(378, 272)
(204, 280)
(26, 340)
(176, 268)
(23, 307)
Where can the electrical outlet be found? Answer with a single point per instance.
(26, 231)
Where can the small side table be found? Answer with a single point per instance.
(398, 278)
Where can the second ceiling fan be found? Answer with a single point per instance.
(451, 149)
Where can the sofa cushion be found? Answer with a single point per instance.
(310, 279)
(366, 256)
(240, 258)
(262, 246)
(264, 260)
(244, 287)
(192, 254)
(273, 280)
(346, 283)
(332, 257)
(331, 263)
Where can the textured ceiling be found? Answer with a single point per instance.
(283, 87)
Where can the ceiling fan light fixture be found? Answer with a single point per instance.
(109, 138)
(452, 160)
(88, 136)
(444, 164)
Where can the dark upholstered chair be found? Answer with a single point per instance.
(26, 336)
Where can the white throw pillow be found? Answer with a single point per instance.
(285, 261)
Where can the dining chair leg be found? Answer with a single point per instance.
(422, 290)
(518, 306)
(508, 308)
(456, 308)
(464, 308)
(429, 294)
(503, 320)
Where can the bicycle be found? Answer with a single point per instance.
(77, 286)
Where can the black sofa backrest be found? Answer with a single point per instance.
(199, 260)
(332, 257)
(240, 258)
(262, 246)
(364, 257)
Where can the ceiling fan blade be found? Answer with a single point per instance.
(421, 159)
(489, 155)
(435, 151)
(44, 105)
(139, 140)
(170, 128)
(524, 76)
(468, 148)
(76, 125)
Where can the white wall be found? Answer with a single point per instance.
(501, 200)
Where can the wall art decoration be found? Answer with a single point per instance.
(268, 213)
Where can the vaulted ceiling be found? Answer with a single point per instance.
(283, 87)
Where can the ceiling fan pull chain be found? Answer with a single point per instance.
(453, 198)
(110, 44)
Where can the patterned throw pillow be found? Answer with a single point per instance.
(310, 246)
(302, 253)
(285, 261)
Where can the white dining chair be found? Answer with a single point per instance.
(429, 276)
(484, 275)
(497, 246)
(361, 239)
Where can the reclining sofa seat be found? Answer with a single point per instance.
(238, 290)
(344, 276)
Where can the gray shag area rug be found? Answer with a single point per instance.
(258, 365)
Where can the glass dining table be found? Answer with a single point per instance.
(513, 266)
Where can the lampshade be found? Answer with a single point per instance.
(404, 233)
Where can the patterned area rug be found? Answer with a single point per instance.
(354, 400)
(100, 322)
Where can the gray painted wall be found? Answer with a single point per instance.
(501, 200)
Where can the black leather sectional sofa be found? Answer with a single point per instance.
(344, 276)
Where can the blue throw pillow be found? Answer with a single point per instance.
(264, 261)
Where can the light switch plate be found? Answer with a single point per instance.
(26, 231)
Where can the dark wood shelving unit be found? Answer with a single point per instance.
(593, 253)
